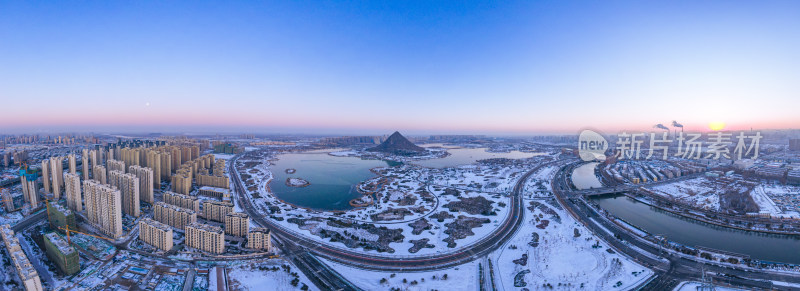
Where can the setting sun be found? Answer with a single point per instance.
(716, 125)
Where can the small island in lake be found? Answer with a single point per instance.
(297, 182)
(290, 171)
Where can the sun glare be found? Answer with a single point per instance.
(716, 125)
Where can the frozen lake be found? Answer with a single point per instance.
(332, 179)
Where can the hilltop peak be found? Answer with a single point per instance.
(399, 145)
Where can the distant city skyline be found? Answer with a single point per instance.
(421, 67)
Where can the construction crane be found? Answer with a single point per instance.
(67, 231)
(25, 171)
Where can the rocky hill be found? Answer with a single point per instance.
(397, 144)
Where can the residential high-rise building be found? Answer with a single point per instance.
(128, 184)
(73, 164)
(30, 191)
(145, 176)
(166, 165)
(93, 155)
(205, 237)
(154, 163)
(61, 253)
(25, 270)
(216, 210)
(57, 175)
(259, 238)
(173, 215)
(114, 165)
(104, 207)
(99, 174)
(181, 184)
(155, 234)
(46, 175)
(180, 200)
(85, 163)
(72, 185)
(237, 224)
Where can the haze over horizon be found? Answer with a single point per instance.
(420, 67)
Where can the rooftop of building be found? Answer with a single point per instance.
(62, 244)
(61, 209)
(209, 188)
(259, 229)
(237, 214)
(6, 231)
(156, 224)
(180, 195)
(26, 270)
(220, 203)
(173, 207)
(205, 227)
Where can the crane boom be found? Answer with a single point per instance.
(67, 231)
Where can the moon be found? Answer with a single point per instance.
(147, 104)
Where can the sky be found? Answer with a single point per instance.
(372, 67)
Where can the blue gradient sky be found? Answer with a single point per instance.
(416, 66)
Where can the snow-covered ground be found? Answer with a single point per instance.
(560, 258)
(271, 274)
(698, 191)
(765, 204)
(692, 286)
(785, 197)
(463, 277)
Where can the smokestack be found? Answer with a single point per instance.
(676, 124)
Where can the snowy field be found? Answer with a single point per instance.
(271, 275)
(463, 277)
(698, 191)
(552, 249)
(785, 198)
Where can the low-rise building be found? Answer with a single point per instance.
(219, 193)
